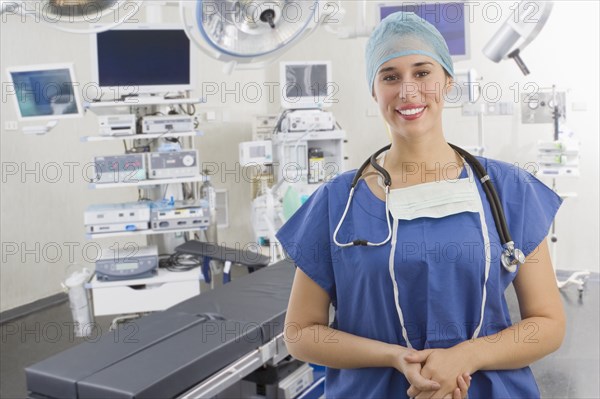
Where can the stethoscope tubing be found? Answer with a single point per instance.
(486, 183)
(490, 193)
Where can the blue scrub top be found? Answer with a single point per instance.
(439, 266)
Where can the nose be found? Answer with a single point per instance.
(408, 88)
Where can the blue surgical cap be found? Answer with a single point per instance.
(405, 33)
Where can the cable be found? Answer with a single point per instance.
(159, 137)
(188, 192)
(179, 96)
(280, 120)
(140, 197)
(179, 262)
(165, 192)
(186, 112)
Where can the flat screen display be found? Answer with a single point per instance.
(126, 266)
(306, 81)
(449, 18)
(143, 58)
(306, 84)
(45, 93)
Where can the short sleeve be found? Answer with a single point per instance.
(306, 239)
(530, 207)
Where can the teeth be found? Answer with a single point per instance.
(413, 111)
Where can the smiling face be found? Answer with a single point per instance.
(409, 91)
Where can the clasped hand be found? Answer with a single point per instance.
(436, 373)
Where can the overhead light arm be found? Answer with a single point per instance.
(525, 23)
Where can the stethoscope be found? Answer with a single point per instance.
(511, 256)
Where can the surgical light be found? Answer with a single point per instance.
(246, 31)
(79, 8)
(525, 23)
(75, 16)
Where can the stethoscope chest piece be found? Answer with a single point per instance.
(512, 257)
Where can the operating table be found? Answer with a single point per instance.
(194, 349)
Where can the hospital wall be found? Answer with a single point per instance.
(42, 212)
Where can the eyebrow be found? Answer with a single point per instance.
(391, 68)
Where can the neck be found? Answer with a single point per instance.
(429, 152)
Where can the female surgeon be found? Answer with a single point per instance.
(420, 310)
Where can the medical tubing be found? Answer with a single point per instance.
(395, 284)
(488, 187)
(495, 213)
(359, 173)
(499, 218)
(490, 193)
(387, 217)
(507, 237)
(359, 242)
(495, 206)
(342, 220)
(387, 180)
(492, 196)
(372, 160)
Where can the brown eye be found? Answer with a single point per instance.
(422, 74)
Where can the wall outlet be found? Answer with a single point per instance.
(11, 125)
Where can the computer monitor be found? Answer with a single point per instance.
(45, 92)
(451, 18)
(306, 84)
(142, 59)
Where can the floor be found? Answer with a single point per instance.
(571, 372)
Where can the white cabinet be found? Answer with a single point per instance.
(144, 295)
